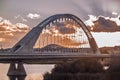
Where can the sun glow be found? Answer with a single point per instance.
(10, 33)
(2, 39)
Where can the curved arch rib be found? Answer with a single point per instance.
(25, 45)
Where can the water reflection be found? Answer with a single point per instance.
(34, 72)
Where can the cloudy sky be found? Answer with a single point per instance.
(17, 17)
(82, 8)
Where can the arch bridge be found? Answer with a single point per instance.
(64, 30)
(57, 38)
(61, 37)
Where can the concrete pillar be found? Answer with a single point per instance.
(18, 72)
(12, 78)
(21, 71)
(12, 71)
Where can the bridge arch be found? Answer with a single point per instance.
(28, 41)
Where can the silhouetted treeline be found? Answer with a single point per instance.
(84, 69)
(113, 73)
(79, 70)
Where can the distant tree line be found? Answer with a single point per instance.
(84, 69)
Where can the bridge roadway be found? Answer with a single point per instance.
(50, 58)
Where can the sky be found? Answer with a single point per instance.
(22, 15)
(81, 8)
(17, 17)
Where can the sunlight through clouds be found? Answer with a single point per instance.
(10, 33)
(2, 39)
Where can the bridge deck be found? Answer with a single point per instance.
(34, 58)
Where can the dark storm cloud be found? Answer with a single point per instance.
(105, 25)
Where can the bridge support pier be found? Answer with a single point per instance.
(16, 71)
